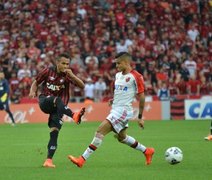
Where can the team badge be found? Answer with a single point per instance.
(127, 79)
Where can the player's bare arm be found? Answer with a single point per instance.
(141, 99)
(75, 79)
(33, 89)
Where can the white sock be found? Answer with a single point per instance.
(96, 142)
(130, 141)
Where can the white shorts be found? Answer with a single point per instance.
(119, 118)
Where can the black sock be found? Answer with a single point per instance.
(10, 115)
(211, 128)
(62, 108)
(52, 145)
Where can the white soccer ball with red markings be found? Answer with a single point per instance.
(173, 155)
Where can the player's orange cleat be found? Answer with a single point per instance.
(78, 115)
(48, 163)
(208, 138)
(149, 154)
(80, 161)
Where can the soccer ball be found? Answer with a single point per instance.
(173, 155)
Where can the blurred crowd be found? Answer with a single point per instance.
(170, 41)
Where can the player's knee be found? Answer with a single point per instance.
(7, 110)
(121, 138)
(58, 102)
(54, 129)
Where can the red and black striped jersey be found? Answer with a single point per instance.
(54, 83)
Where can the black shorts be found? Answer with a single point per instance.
(4, 105)
(47, 105)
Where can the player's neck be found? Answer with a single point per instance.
(127, 70)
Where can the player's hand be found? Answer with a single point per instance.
(69, 72)
(141, 123)
(32, 94)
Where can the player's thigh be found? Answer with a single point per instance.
(105, 127)
(47, 104)
(4, 106)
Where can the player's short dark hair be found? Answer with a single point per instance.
(124, 53)
(65, 55)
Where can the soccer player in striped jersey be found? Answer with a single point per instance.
(128, 85)
(54, 97)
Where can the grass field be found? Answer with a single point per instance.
(23, 150)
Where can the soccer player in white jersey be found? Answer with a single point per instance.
(128, 85)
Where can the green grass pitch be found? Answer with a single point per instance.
(23, 150)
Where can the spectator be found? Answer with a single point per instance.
(24, 71)
(100, 88)
(184, 72)
(204, 86)
(121, 46)
(181, 84)
(163, 92)
(89, 89)
(14, 82)
(193, 33)
(191, 65)
(91, 59)
(193, 86)
(33, 52)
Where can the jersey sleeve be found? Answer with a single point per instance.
(139, 81)
(42, 76)
(68, 79)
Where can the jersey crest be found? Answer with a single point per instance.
(127, 79)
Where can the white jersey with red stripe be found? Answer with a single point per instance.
(126, 87)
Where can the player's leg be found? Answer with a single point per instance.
(7, 109)
(1, 106)
(133, 143)
(130, 141)
(102, 130)
(209, 137)
(55, 123)
(62, 108)
(51, 103)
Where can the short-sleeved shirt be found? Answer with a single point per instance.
(54, 84)
(126, 87)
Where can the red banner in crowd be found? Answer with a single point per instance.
(31, 113)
